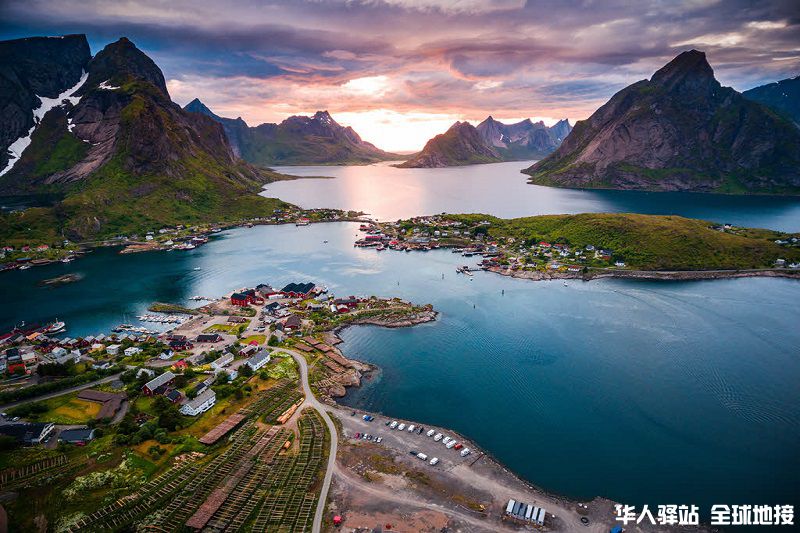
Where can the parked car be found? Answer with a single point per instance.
(458, 446)
(358, 435)
(401, 427)
(379, 440)
(431, 433)
(413, 452)
(465, 452)
(388, 422)
(411, 428)
(393, 424)
(434, 460)
(446, 440)
(422, 456)
(450, 444)
(419, 430)
(437, 437)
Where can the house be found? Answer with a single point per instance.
(201, 403)
(260, 359)
(209, 337)
(180, 345)
(173, 395)
(351, 302)
(222, 361)
(298, 290)
(58, 352)
(133, 350)
(76, 436)
(28, 432)
(292, 322)
(265, 290)
(180, 364)
(147, 371)
(248, 350)
(240, 299)
(151, 386)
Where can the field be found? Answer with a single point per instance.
(65, 409)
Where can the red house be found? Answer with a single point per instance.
(245, 298)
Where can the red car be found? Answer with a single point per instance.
(458, 446)
(358, 435)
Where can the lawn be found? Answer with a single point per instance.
(260, 339)
(67, 409)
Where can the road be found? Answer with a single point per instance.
(311, 401)
(61, 392)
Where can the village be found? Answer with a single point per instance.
(507, 255)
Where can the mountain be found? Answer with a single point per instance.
(679, 131)
(523, 140)
(462, 144)
(783, 97)
(491, 141)
(106, 139)
(298, 140)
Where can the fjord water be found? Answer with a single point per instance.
(389, 193)
(681, 392)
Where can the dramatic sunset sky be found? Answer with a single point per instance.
(399, 71)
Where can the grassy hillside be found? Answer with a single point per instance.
(649, 242)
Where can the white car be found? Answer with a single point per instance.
(465, 452)
(434, 460)
(401, 427)
(446, 440)
(411, 428)
(393, 424)
(431, 433)
(422, 456)
(450, 444)
(437, 437)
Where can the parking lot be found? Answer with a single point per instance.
(405, 441)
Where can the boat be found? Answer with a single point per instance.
(55, 327)
(380, 248)
(196, 268)
(24, 267)
(565, 284)
(67, 260)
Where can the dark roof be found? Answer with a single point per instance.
(238, 296)
(299, 288)
(173, 395)
(76, 435)
(208, 337)
(24, 431)
(293, 321)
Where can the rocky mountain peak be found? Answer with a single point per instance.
(122, 61)
(689, 72)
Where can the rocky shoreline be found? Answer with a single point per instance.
(676, 275)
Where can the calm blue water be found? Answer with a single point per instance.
(389, 193)
(639, 391)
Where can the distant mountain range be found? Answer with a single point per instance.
(783, 97)
(490, 142)
(679, 131)
(298, 140)
(103, 134)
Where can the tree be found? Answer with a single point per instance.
(245, 371)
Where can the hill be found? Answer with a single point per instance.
(298, 140)
(679, 131)
(462, 144)
(107, 140)
(648, 242)
(783, 97)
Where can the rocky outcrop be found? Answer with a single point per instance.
(298, 140)
(679, 131)
(462, 144)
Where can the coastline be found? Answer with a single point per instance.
(660, 275)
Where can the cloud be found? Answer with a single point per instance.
(435, 58)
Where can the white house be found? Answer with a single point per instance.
(202, 403)
(219, 363)
(260, 359)
(58, 352)
(113, 349)
(133, 350)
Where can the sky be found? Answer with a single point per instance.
(401, 71)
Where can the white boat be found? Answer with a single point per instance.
(565, 284)
(66, 260)
(24, 267)
(55, 327)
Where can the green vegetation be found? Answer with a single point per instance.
(648, 242)
(159, 307)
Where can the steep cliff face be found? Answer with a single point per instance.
(31, 70)
(679, 131)
(298, 140)
(123, 155)
(783, 97)
(462, 144)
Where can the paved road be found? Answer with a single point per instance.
(61, 392)
(311, 401)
